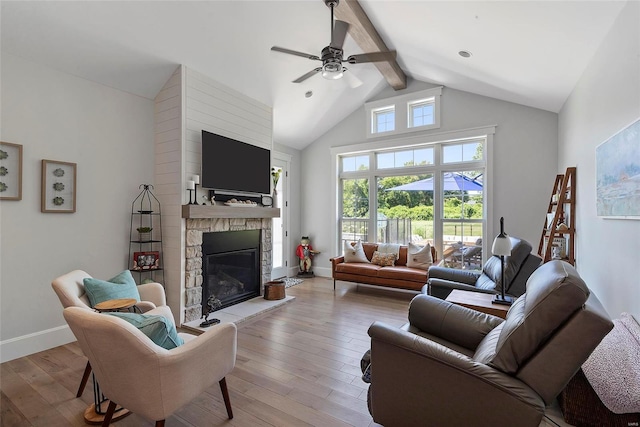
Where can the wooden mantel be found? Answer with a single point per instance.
(206, 211)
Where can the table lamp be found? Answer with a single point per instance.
(502, 247)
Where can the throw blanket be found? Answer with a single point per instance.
(613, 369)
(389, 248)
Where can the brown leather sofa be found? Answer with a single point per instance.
(398, 276)
(453, 366)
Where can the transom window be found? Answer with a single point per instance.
(384, 120)
(465, 152)
(402, 158)
(417, 111)
(355, 163)
(422, 113)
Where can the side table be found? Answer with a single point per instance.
(94, 414)
(116, 304)
(478, 301)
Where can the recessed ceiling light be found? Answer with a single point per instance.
(464, 53)
(309, 94)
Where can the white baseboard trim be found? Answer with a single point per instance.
(322, 271)
(25, 345)
(318, 271)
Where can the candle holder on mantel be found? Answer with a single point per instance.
(191, 187)
(196, 181)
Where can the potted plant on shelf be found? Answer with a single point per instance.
(144, 233)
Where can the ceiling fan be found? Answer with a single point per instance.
(332, 55)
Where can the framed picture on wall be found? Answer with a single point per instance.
(10, 171)
(58, 187)
(618, 174)
(149, 260)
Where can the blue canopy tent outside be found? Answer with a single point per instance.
(452, 182)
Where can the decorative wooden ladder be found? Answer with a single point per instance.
(561, 228)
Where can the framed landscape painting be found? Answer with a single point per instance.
(618, 174)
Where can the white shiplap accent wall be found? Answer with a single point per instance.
(217, 108)
(169, 134)
(189, 103)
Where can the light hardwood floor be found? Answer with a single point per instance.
(296, 366)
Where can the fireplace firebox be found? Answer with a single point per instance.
(231, 266)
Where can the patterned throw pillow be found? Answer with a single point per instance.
(354, 253)
(419, 256)
(383, 260)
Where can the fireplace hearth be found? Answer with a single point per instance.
(200, 220)
(231, 266)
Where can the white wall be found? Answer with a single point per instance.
(606, 99)
(525, 163)
(109, 134)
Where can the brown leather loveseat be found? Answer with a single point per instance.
(397, 276)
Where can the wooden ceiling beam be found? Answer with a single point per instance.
(367, 37)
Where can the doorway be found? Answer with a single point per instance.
(280, 226)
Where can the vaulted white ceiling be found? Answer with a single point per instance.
(528, 52)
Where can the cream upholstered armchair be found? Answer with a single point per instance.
(453, 366)
(70, 290)
(143, 377)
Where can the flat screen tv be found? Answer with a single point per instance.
(235, 166)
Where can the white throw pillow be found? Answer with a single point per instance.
(354, 253)
(419, 256)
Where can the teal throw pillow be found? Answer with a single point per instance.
(160, 330)
(121, 286)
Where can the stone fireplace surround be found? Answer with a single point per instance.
(204, 219)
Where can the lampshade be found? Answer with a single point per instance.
(332, 71)
(501, 245)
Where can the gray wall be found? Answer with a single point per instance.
(525, 163)
(605, 100)
(109, 134)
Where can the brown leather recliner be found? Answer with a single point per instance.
(517, 268)
(453, 366)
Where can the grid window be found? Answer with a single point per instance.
(399, 159)
(355, 163)
(384, 120)
(466, 152)
(412, 112)
(421, 113)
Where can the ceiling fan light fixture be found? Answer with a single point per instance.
(332, 71)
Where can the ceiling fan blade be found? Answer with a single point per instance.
(371, 57)
(295, 52)
(309, 74)
(338, 34)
